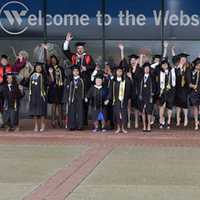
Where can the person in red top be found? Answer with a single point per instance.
(5, 67)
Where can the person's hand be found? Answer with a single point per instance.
(121, 46)
(45, 46)
(106, 102)
(129, 75)
(86, 100)
(173, 48)
(69, 37)
(50, 70)
(20, 87)
(165, 44)
(83, 68)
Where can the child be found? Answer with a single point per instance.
(37, 96)
(146, 92)
(97, 96)
(76, 96)
(119, 94)
(11, 93)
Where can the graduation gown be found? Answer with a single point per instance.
(76, 95)
(11, 95)
(56, 87)
(37, 95)
(166, 88)
(194, 95)
(97, 96)
(146, 94)
(120, 106)
(182, 87)
(136, 76)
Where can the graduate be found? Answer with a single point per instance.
(107, 79)
(55, 90)
(194, 96)
(76, 97)
(38, 97)
(134, 71)
(84, 61)
(182, 88)
(119, 94)
(11, 93)
(146, 93)
(97, 96)
(166, 93)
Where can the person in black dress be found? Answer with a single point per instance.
(38, 97)
(84, 61)
(194, 96)
(11, 93)
(134, 72)
(55, 90)
(146, 93)
(76, 97)
(166, 92)
(182, 88)
(107, 79)
(119, 94)
(97, 96)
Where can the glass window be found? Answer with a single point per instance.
(182, 19)
(128, 19)
(76, 16)
(131, 47)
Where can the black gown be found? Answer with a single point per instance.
(97, 96)
(136, 76)
(146, 94)
(56, 87)
(120, 108)
(166, 94)
(11, 98)
(38, 96)
(87, 61)
(194, 96)
(182, 87)
(76, 95)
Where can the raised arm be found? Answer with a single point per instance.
(165, 45)
(66, 48)
(121, 47)
(173, 51)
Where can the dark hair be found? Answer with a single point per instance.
(55, 57)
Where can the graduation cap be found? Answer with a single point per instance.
(183, 55)
(99, 75)
(80, 44)
(75, 67)
(120, 68)
(157, 56)
(196, 61)
(10, 74)
(147, 64)
(4, 56)
(133, 56)
(165, 61)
